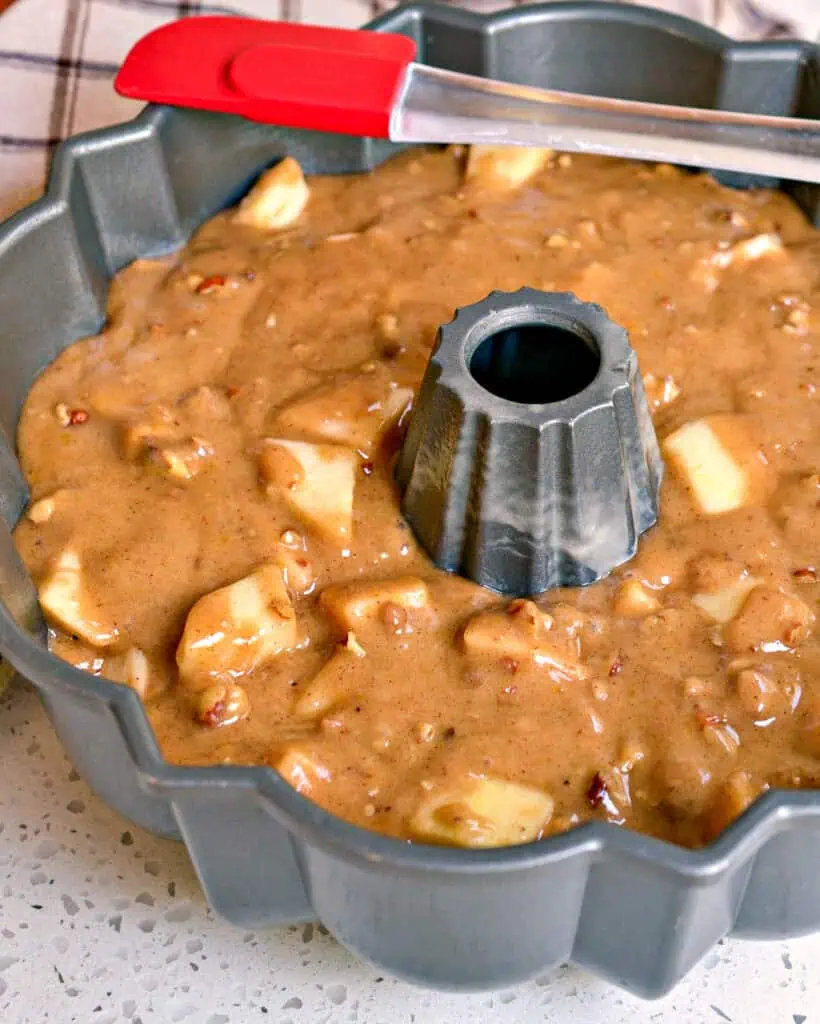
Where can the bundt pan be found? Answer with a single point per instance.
(635, 910)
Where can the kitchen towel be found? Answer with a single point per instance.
(58, 57)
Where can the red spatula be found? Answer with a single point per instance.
(367, 83)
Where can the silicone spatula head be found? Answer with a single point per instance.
(298, 76)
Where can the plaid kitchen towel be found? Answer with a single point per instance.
(58, 57)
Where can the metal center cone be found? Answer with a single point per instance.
(531, 461)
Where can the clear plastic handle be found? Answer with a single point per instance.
(437, 106)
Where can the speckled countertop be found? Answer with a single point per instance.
(102, 923)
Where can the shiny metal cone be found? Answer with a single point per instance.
(531, 461)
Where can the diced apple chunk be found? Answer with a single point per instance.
(707, 271)
(511, 631)
(354, 605)
(233, 630)
(42, 511)
(277, 199)
(303, 771)
(329, 685)
(717, 483)
(65, 602)
(504, 167)
(750, 249)
(357, 412)
(770, 620)
(316, 480)
(132, 668)
(718, 462)
(523, 632)
(735, 795)
(723, 605)
(483, 813)
(137, 670)
(633, 600)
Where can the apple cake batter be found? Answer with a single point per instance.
(214, 520)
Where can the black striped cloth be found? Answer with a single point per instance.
(58, 58)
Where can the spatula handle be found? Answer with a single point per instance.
(438, 106)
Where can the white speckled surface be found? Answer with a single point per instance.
(102, 923)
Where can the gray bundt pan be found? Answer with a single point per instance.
(635, 910)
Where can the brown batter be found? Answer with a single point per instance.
(405, 700)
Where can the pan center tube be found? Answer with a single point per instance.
(531, 461)
(536, 364)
